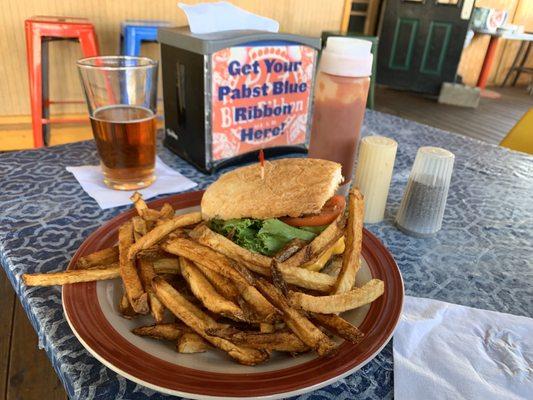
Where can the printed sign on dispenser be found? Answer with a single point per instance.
(260, 97)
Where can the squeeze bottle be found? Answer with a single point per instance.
(341, 90)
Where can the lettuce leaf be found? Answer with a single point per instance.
(314, 229)
(261, 236)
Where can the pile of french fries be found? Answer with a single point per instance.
(221, 295)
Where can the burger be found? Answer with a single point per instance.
(265, 210)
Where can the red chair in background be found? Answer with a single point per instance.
(39, 32)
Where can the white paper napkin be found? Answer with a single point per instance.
(447, 351)
(92, 181)
(223, 16)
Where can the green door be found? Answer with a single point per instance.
(421, 43)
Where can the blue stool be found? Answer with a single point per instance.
(134, 32)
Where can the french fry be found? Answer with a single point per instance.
(72, 276)
(317, 246)
(254, 261)
(169, 331)
(266, 328)
(190, 343)
(144, 212)
(351, 260)
(138, 202)
(152, 252)
(207, 294)
(150, 215)
(97, 273)
(125, 308)
(166, 265)
(98, 258)
(261, 307)
(193, 317)
(276, 341)
(147, 273)
(289, 249)
(338, 303)
(277, 278)
(210, 259)
(222, 284)
(204, 256)
(159, 232)
(217, 262)
(132, 283)
(166, 212)
(339, 326)
(306, 279)
(296, 321)
(293, 275)
(139, 227)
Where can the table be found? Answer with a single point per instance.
(481, 258)
(490, 54)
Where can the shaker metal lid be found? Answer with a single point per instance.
(208, 43)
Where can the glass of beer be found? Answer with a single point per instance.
(121, 94)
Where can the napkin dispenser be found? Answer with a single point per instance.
(229, 94)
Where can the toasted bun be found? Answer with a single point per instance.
(291, 187)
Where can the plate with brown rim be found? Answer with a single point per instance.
(91, 311)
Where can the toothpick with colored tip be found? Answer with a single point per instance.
(262, 163)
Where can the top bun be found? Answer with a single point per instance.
(291, 187)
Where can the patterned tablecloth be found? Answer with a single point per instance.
(483, 256)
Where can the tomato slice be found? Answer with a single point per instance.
(327, 215)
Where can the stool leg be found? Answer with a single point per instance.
(89, 45)
(33, 52)
(45, 91)
(487, 62)
(513, 65)
(132, 44)
(521, 65)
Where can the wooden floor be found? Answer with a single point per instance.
(16, 133)
(490, 121)
(25, 371)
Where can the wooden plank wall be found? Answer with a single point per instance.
(308, 17)
(520, 13)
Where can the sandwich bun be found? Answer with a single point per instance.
(291, 187)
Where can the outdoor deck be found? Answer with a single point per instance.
(489, 122)
(26, 373)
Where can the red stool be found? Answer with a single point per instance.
(39, 31)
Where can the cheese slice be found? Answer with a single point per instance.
(337, 248)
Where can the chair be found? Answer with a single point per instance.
(518, 67)
(41, 30)
(374, 50)
(134, 32)
(520, 138)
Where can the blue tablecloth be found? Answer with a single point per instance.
(483, 256)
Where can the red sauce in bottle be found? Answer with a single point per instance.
(341, 91)
(339, 110)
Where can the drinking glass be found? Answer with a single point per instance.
(121, 94)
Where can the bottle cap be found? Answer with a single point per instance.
(345, 56)
(424, 200)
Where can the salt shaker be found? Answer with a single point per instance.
(424, 200)
(373, 174)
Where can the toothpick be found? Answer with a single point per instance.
(262, 163)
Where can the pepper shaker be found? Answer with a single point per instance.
(424, 200)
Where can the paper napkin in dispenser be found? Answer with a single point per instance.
(223, 16)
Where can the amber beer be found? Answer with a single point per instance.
(126, 139)
(121, 94)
